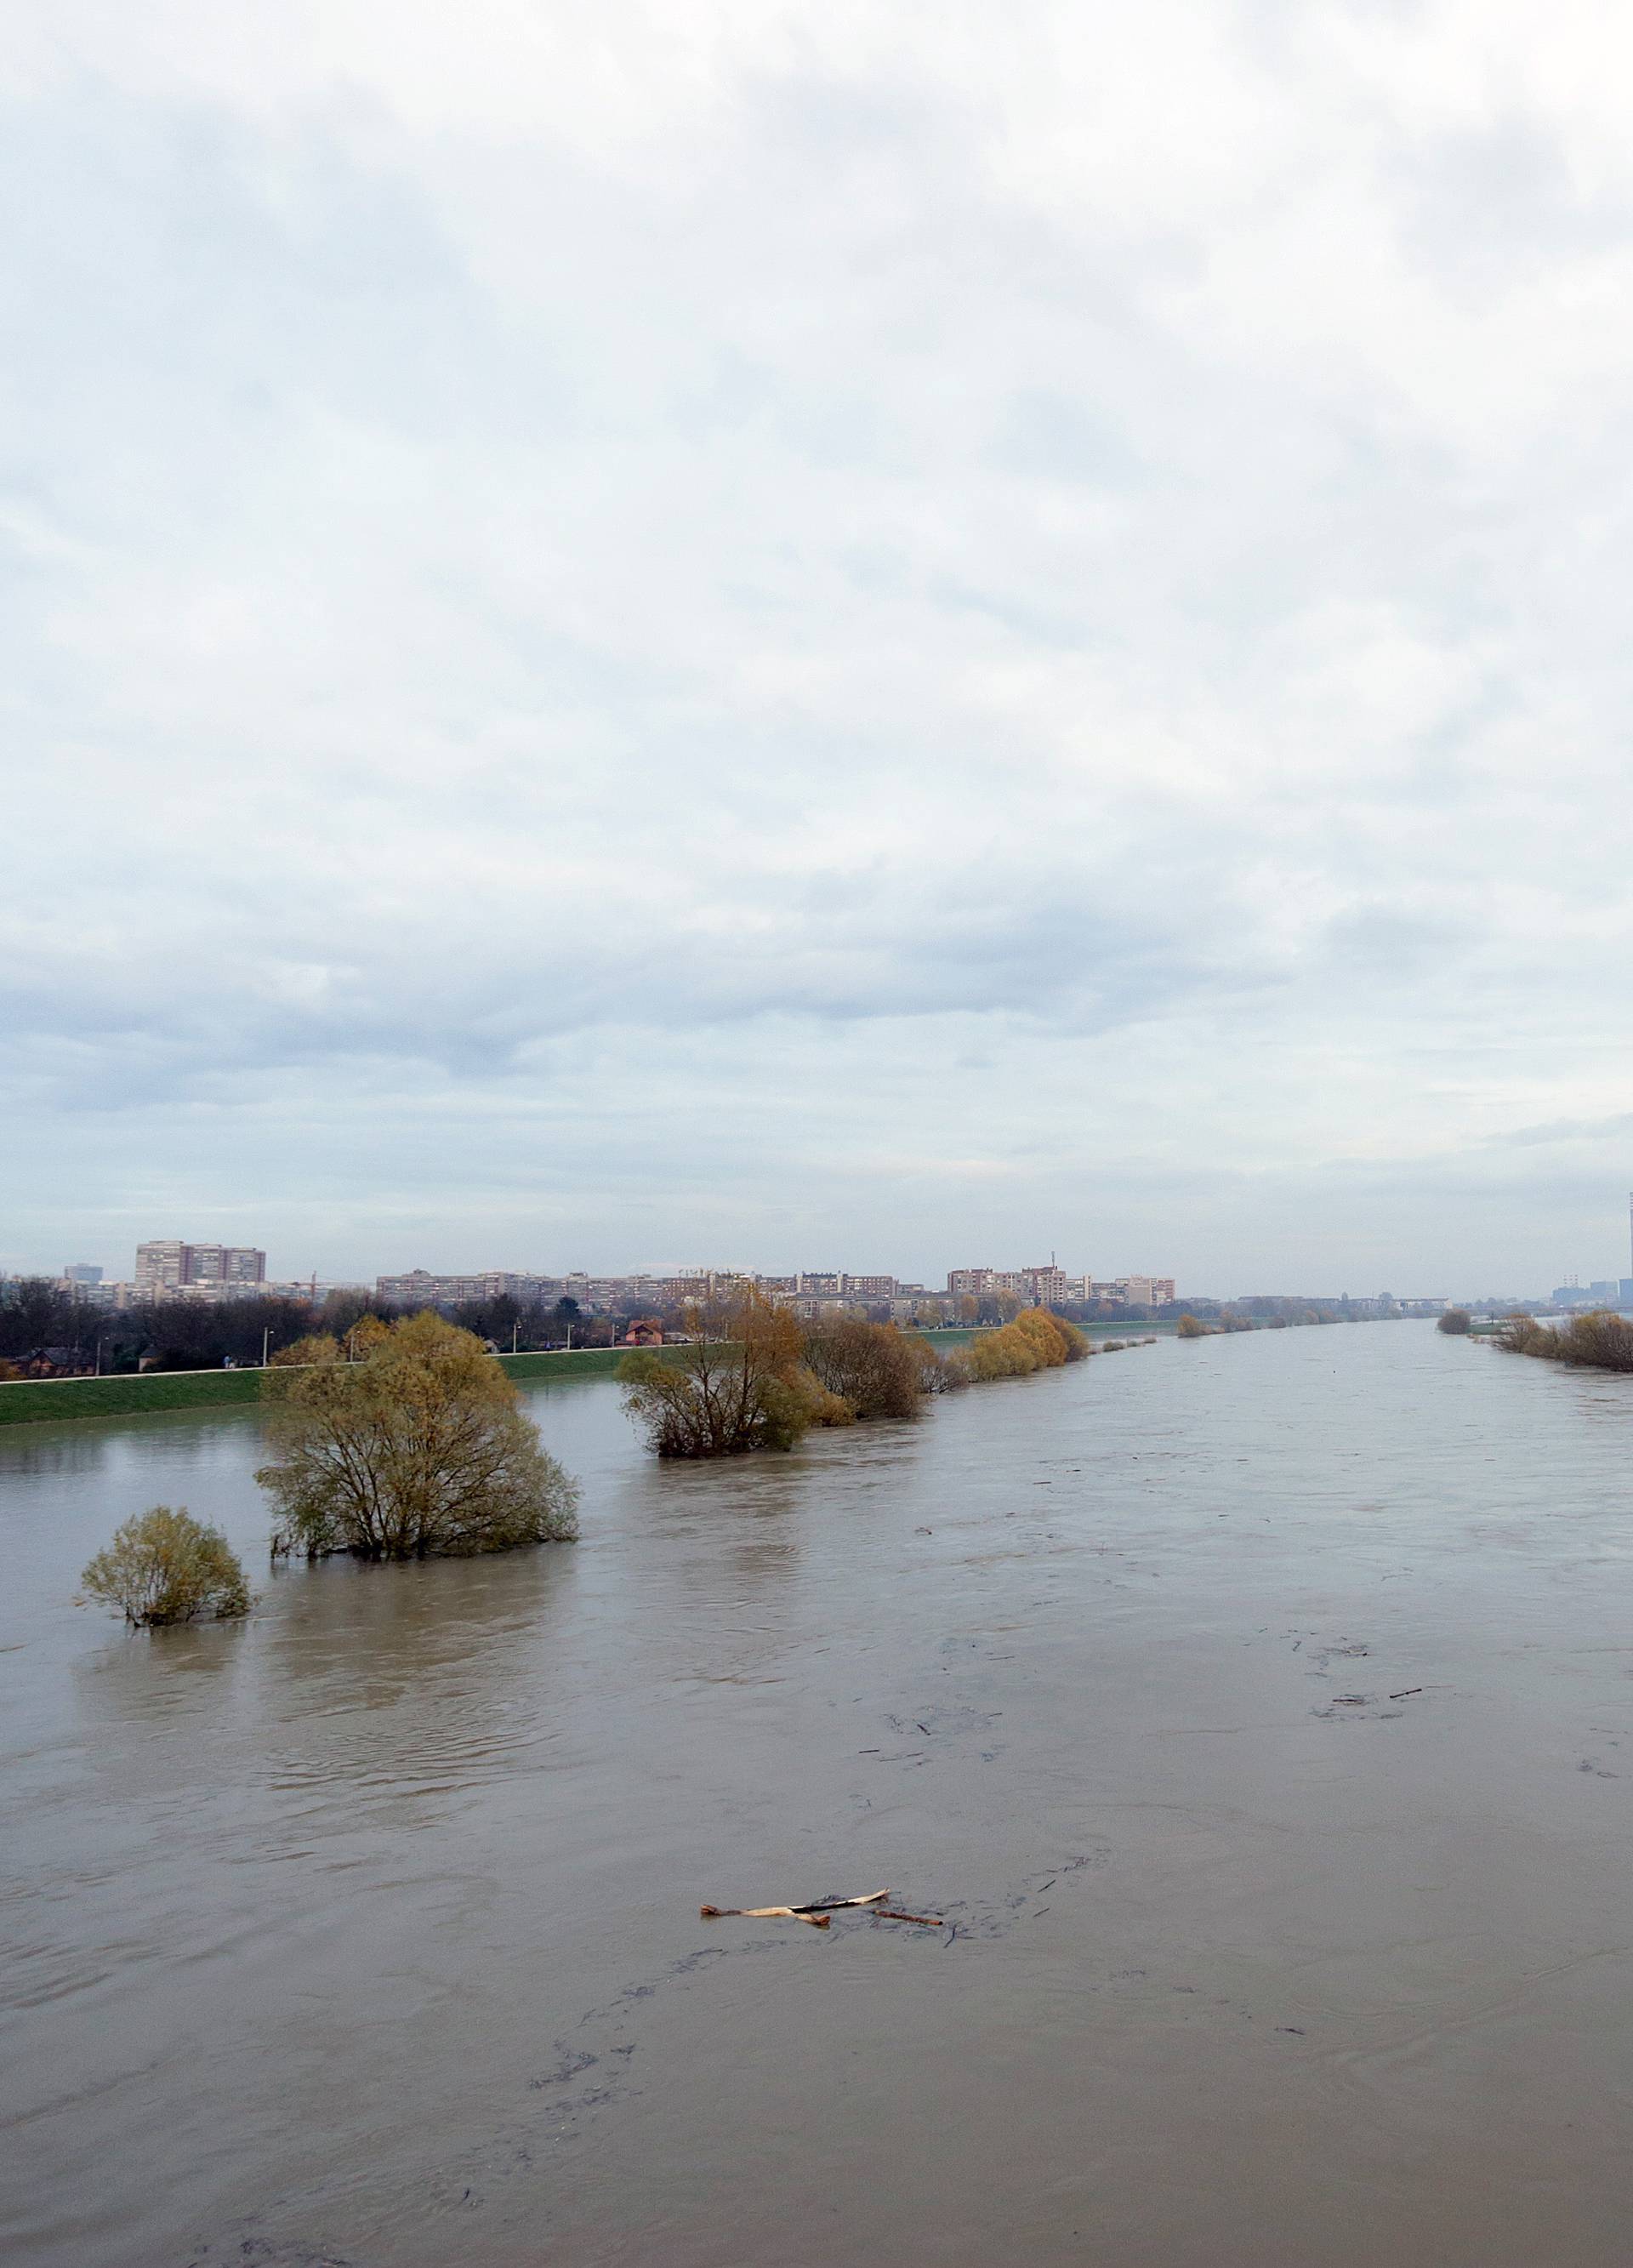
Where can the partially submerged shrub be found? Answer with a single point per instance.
(750, 1379)
(938, 1372)
(165, 1566)
(420, 1448)
(1600, 1341)
(737, 1387)
(1456, 1322)
(874, 1366)
(1188, 1328)
(1036, 1340)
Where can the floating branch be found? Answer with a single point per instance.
(816, 1913)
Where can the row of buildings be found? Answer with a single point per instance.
(1053, 1287)
(807, 1292)
(170, 1268)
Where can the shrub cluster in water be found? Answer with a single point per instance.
(1037, 1340)
(1597, 1341)
(165, 1566)
(753, 1378)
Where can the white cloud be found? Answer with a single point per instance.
(607, 607)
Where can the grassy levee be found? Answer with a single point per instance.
(24, 1402)
(32, 1401)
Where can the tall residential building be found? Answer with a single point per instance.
(1043, 1287)
(167, 1263)
(160, 1264)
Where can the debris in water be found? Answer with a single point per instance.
(1405, 1693)
(820, 1912)
(816, 1913)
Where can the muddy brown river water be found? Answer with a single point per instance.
(367, 1931)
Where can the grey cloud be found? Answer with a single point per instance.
(818, 585)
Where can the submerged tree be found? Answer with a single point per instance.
(165, 1566)
(419, 1448)
(1456, 1322)
(874, 1366)
(740, 1384)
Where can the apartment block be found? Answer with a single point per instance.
(167, 1263)
(1136, 1290)
(419, 1288)
(1044, 1286)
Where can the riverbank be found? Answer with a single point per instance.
(36, 1402)
(41, 1401)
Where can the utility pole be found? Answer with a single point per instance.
(265, 1340)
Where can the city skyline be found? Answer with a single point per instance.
(175, 1267)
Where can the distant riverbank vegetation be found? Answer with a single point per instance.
(1598, 1341)
(416, 1447)
(751, 1377)
(1456, 1323)
(1261, 1315)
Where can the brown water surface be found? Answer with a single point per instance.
(367, 1931)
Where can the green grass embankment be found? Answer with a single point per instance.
(33, 1402)
(24, 1402)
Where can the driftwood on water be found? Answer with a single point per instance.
(816, 1912)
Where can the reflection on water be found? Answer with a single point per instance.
(1260, 1714)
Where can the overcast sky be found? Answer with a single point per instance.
(819, 635)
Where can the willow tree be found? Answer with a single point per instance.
(739, 1384)
(420, 1449)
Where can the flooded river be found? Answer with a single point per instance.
(367, 1931)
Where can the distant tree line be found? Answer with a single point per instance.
(48, 1329)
